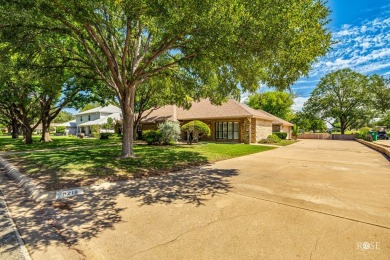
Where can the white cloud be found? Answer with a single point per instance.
(298, 103)
(244, 96)
(303, 87)
(307, 81)
(364, 48)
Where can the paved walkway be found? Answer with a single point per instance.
(11, 246)
(316, 199)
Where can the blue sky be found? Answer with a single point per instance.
(361, 29)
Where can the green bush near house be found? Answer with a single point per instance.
(60, 129)
(152, 136)
(271, 139)
(198, 128)
(170, 132)
(363, 133)
(104, 136)
(281, 135)
(95, 131)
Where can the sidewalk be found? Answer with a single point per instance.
(11, 245)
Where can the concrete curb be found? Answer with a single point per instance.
(23, 249)
(376, 147)
(36, 191)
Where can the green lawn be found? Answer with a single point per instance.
(11, 145)
(66, 168)
(286, 142)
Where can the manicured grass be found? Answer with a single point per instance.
(286, 142)
(11, 145)
(66, 168)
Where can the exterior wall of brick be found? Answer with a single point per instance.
(247, 130)
(261, 129)
(149, 126)
(251, 129)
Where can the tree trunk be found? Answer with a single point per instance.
(342, 126)
(15, 129)
(127, 106)
(28, 136)
(45, 130)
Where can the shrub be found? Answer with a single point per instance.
(295, 130)
(152, 136)
(110, 125)
(281, 135)
(198, 128)
(95, 131)
(363, 132)
(170, 132)
(52, 129)
(60, 129)
(271, 139)
(105, 135)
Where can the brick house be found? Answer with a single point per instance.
(231, 121)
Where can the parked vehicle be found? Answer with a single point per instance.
(383, 135)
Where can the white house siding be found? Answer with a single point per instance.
(71, 130)
(105, 114)
(93, 116)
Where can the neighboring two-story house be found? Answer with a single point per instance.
(96, 116)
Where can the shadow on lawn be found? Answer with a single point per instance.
(84, 217)
(61, 169)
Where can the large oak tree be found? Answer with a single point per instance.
(206, 48)
(343, 97)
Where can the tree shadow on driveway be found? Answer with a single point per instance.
(85, 216)
(189, 186)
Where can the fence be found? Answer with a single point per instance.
(343, 137)
(326, 136)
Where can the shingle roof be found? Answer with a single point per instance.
(69, 124)
(108, 109)
(205, 110)
(278, 120)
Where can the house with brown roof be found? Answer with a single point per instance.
(231, 121)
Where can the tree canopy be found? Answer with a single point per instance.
(275, 102)
(342, 96)
(63, 117)
(203, 48)
(308, 122)
(380, 86)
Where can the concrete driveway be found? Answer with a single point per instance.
(315, 199)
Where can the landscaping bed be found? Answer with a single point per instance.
(58, 169)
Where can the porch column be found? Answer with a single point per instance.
(247, 130)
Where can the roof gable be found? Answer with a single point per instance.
(107, 109)
(205, 110)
